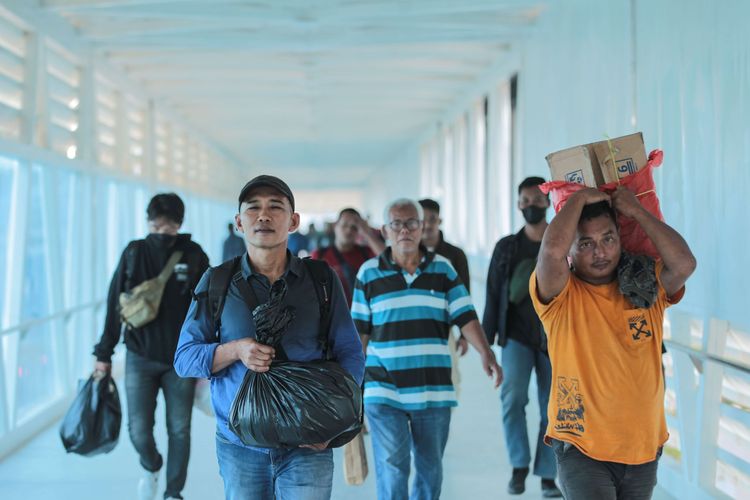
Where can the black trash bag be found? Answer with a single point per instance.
(92, 424)
(293, 403)
(297, 403)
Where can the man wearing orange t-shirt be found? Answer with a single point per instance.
(603, 314)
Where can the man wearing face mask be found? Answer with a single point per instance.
(510, 321)
(151, 347)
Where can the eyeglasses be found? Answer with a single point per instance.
(410, 224)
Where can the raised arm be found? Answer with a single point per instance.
(552, 271)
(376, 244)
(679, 262)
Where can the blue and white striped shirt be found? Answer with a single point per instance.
(408, 318)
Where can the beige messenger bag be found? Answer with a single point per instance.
(140, 306)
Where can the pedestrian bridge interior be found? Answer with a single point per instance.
(104, 103)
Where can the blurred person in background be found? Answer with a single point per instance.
(345, 256)
(234, 245)
(151, 348)
(511, 322)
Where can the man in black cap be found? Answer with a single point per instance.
(266, 217)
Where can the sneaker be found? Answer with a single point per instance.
(550, 489)
(147, 486)
(517, 484)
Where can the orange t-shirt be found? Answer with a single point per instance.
(607, 394)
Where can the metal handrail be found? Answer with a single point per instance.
(704, 356)
(28, 325)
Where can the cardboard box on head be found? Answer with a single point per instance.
(592, 164)
(575, 165)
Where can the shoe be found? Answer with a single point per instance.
(517, 484)
(550, 489)
(147, 486)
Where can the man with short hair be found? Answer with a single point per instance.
(603, 311)
(510, 320)
(405, 302)
(151, 347)
(345, 257)
(266, 217)
(432, 239)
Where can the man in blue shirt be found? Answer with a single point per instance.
(266, 218)
(405, 302)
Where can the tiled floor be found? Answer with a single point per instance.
(475, 465)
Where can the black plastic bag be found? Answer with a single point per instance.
(297, 403)
(292, 403)
(92, 424)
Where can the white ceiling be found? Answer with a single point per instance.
(327, 90)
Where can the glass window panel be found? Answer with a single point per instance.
(64, 183)
(731, 481)
(34, 296)
(36, 382)
(673, 448)
(141, 202)
(7, 174)
(734, 437)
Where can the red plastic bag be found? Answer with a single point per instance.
(632, 236)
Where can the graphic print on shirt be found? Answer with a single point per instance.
(570, 410)
(638, 327)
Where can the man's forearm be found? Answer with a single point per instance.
(225, 355)
(473, 332)
(559, 235)
(672, 247)
(374, 243)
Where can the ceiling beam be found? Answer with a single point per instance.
(257, 42)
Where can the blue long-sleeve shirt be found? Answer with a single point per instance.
(198, 341)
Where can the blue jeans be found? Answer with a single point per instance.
(582, 477)
(398, 433)
(143, 379)
(518, 362)
(265, 474)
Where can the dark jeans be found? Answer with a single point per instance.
(143, 378)
(583, 478)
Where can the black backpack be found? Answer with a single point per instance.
(229, 271)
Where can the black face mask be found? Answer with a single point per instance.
(163, 240)
(534, 214)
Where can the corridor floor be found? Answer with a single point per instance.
(475, 465)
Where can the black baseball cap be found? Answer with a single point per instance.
(267, 181)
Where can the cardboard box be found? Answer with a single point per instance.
(630, 156)
(575, 165)
(592, 165)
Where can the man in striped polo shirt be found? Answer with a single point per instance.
(405, 301)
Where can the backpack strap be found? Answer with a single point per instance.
(130, 257)
(223, 274)
(218, 285)
(323, 279)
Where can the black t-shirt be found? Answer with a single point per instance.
(523, 322)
